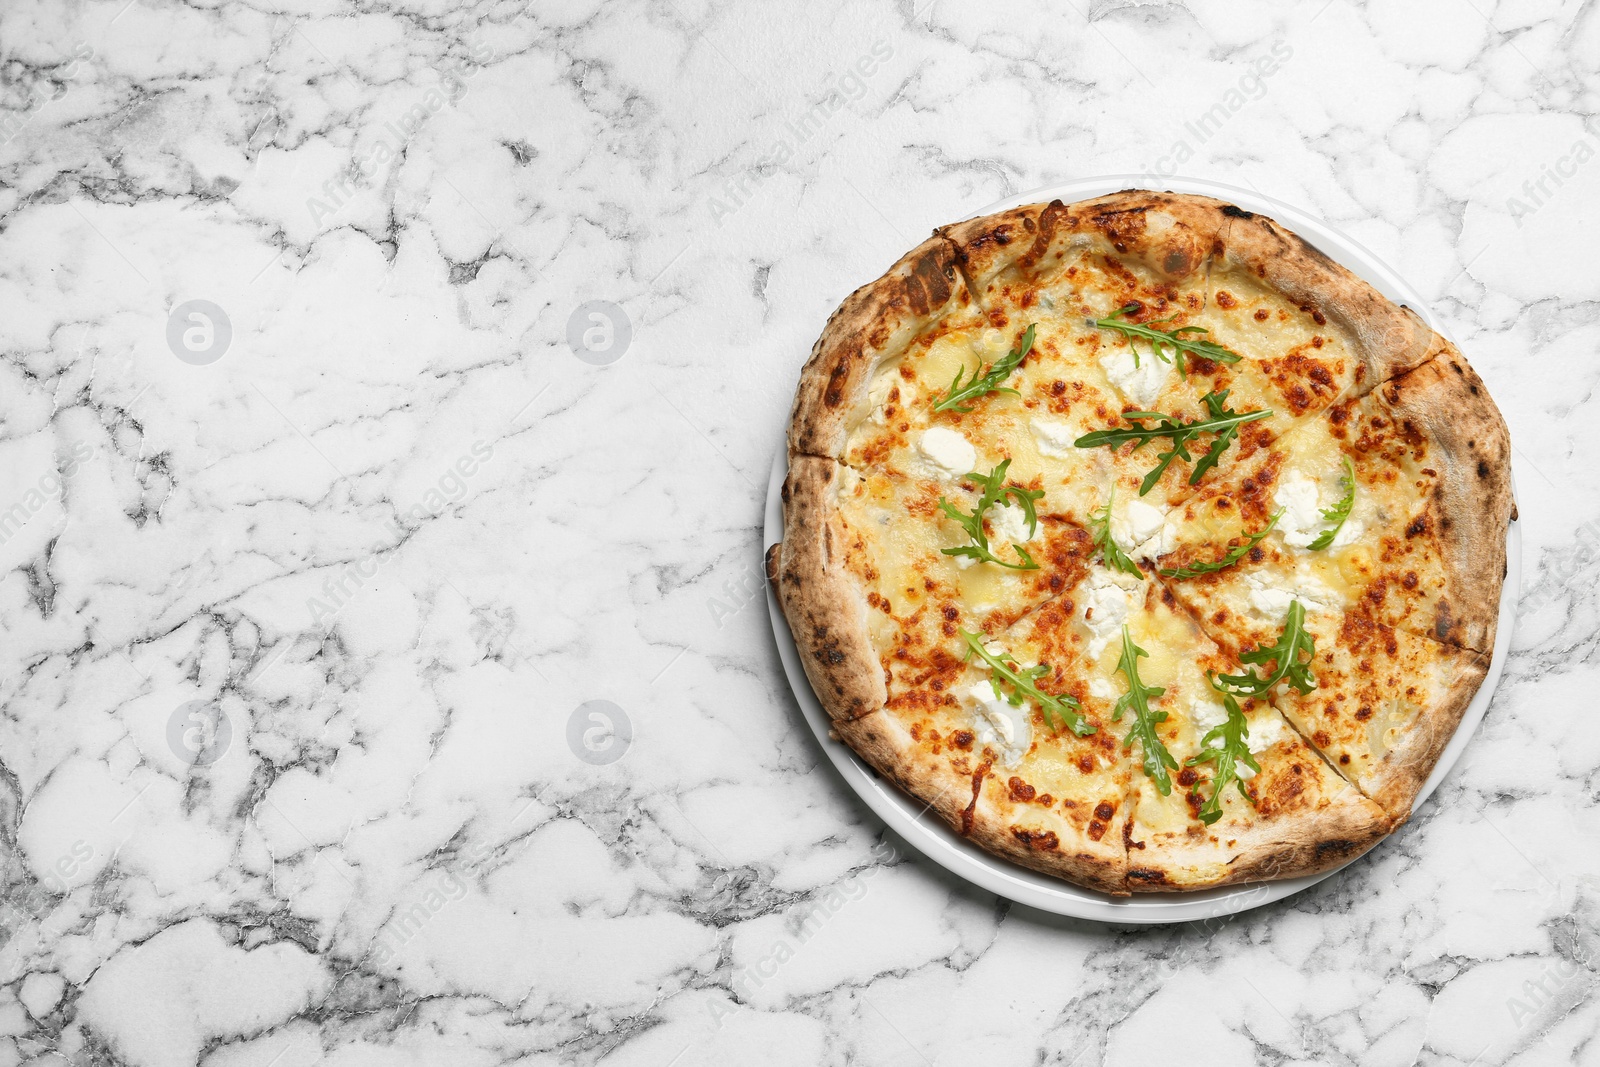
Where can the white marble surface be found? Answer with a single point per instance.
(399, 534)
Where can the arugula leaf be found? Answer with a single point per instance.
(1294, 642)
(1217, 404)
(1137, 699)
(988, 381)
(1110, 551)
(1234, 555)
(1172, 339)
(1226, 746)
(994, 491)
(1058, 711)
(1340, 511)
(1222, 422)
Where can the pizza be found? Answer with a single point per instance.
(1141, 543)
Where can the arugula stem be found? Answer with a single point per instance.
(987, 381)
(1058, 710)
(1234, 555)
(1294, 642)
(1225, 746)
(1223, 423)
(994, 491)
(1157, 338)
(1156, 759)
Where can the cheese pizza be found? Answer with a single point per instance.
(1142, 543)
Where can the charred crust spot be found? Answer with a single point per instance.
(1104, 810)
(1188, 777)
(930, 284)
(1020, 790)
(1344, 760)
(961, 739)
(977, 789)
(1443, 622)
(1123, 228)
(833, 395)
(1053, 213)
(1146, 876)
(1236, 212)
(1038, 840)
(1483, 469)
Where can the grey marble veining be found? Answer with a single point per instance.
(384, 683)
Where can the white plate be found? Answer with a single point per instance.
(955, 853)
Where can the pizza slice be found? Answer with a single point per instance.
(966, 398)
(922, 301)
(1378, 703)
(877, 578)
(1392, 505)
(1008, 747)
(1086, 262)
(1279, 328)
(1263, 811)
(1110, 686)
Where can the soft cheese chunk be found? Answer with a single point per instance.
(1001, 724)
(1054, 437)
(1142, 530)
(878, 393)
(1206, 715)
(1140, 378)
(1106, 602)
(1010, 523)
(1267, 732)
(951, 454)
(1264, 733)
(1303, 500)
(1302, 522)
(1271, 601)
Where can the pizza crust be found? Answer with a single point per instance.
(1405, 767)
(1389, 339)
(1036, 838)
(1173, 234)
(823, 601)
(874, 325)
(1469, 446)
(1339, 831)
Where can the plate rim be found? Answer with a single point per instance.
(1048, 893)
